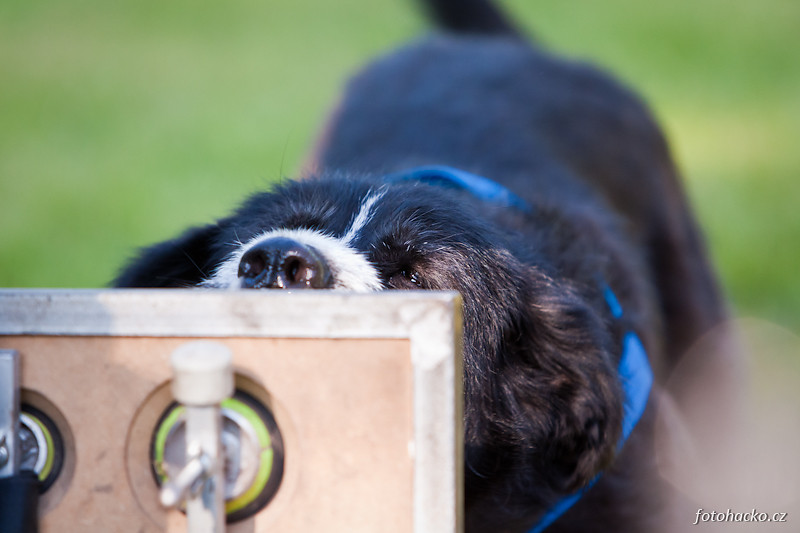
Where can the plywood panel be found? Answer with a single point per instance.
(344, 406)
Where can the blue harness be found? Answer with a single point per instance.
(635, 373)
(451, 178)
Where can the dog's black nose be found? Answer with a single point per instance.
(283, 263)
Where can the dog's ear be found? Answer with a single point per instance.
(181, 262)
(549, 413)
(573, 361)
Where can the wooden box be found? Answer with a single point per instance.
(365, 389)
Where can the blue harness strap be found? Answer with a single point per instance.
(635, 374)
(449, 177)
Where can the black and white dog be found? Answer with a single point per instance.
(544, 192)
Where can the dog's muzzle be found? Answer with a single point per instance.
(283, 263)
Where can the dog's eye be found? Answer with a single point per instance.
(405, 278)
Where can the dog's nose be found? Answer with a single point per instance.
(283, 263)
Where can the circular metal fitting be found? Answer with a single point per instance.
(41, 446)
(252, 447)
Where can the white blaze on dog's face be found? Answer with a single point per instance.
(361, 236)
(299, 251)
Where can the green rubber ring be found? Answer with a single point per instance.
(169, 422)
(174, 417)
(51, 451)
(267, 454)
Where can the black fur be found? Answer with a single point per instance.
(469, 16)
(542, 396)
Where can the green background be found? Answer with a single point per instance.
(122, 123)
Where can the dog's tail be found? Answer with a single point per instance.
(470, 16)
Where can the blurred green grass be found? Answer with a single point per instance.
(122, 123)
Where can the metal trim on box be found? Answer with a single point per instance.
(430, 320)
